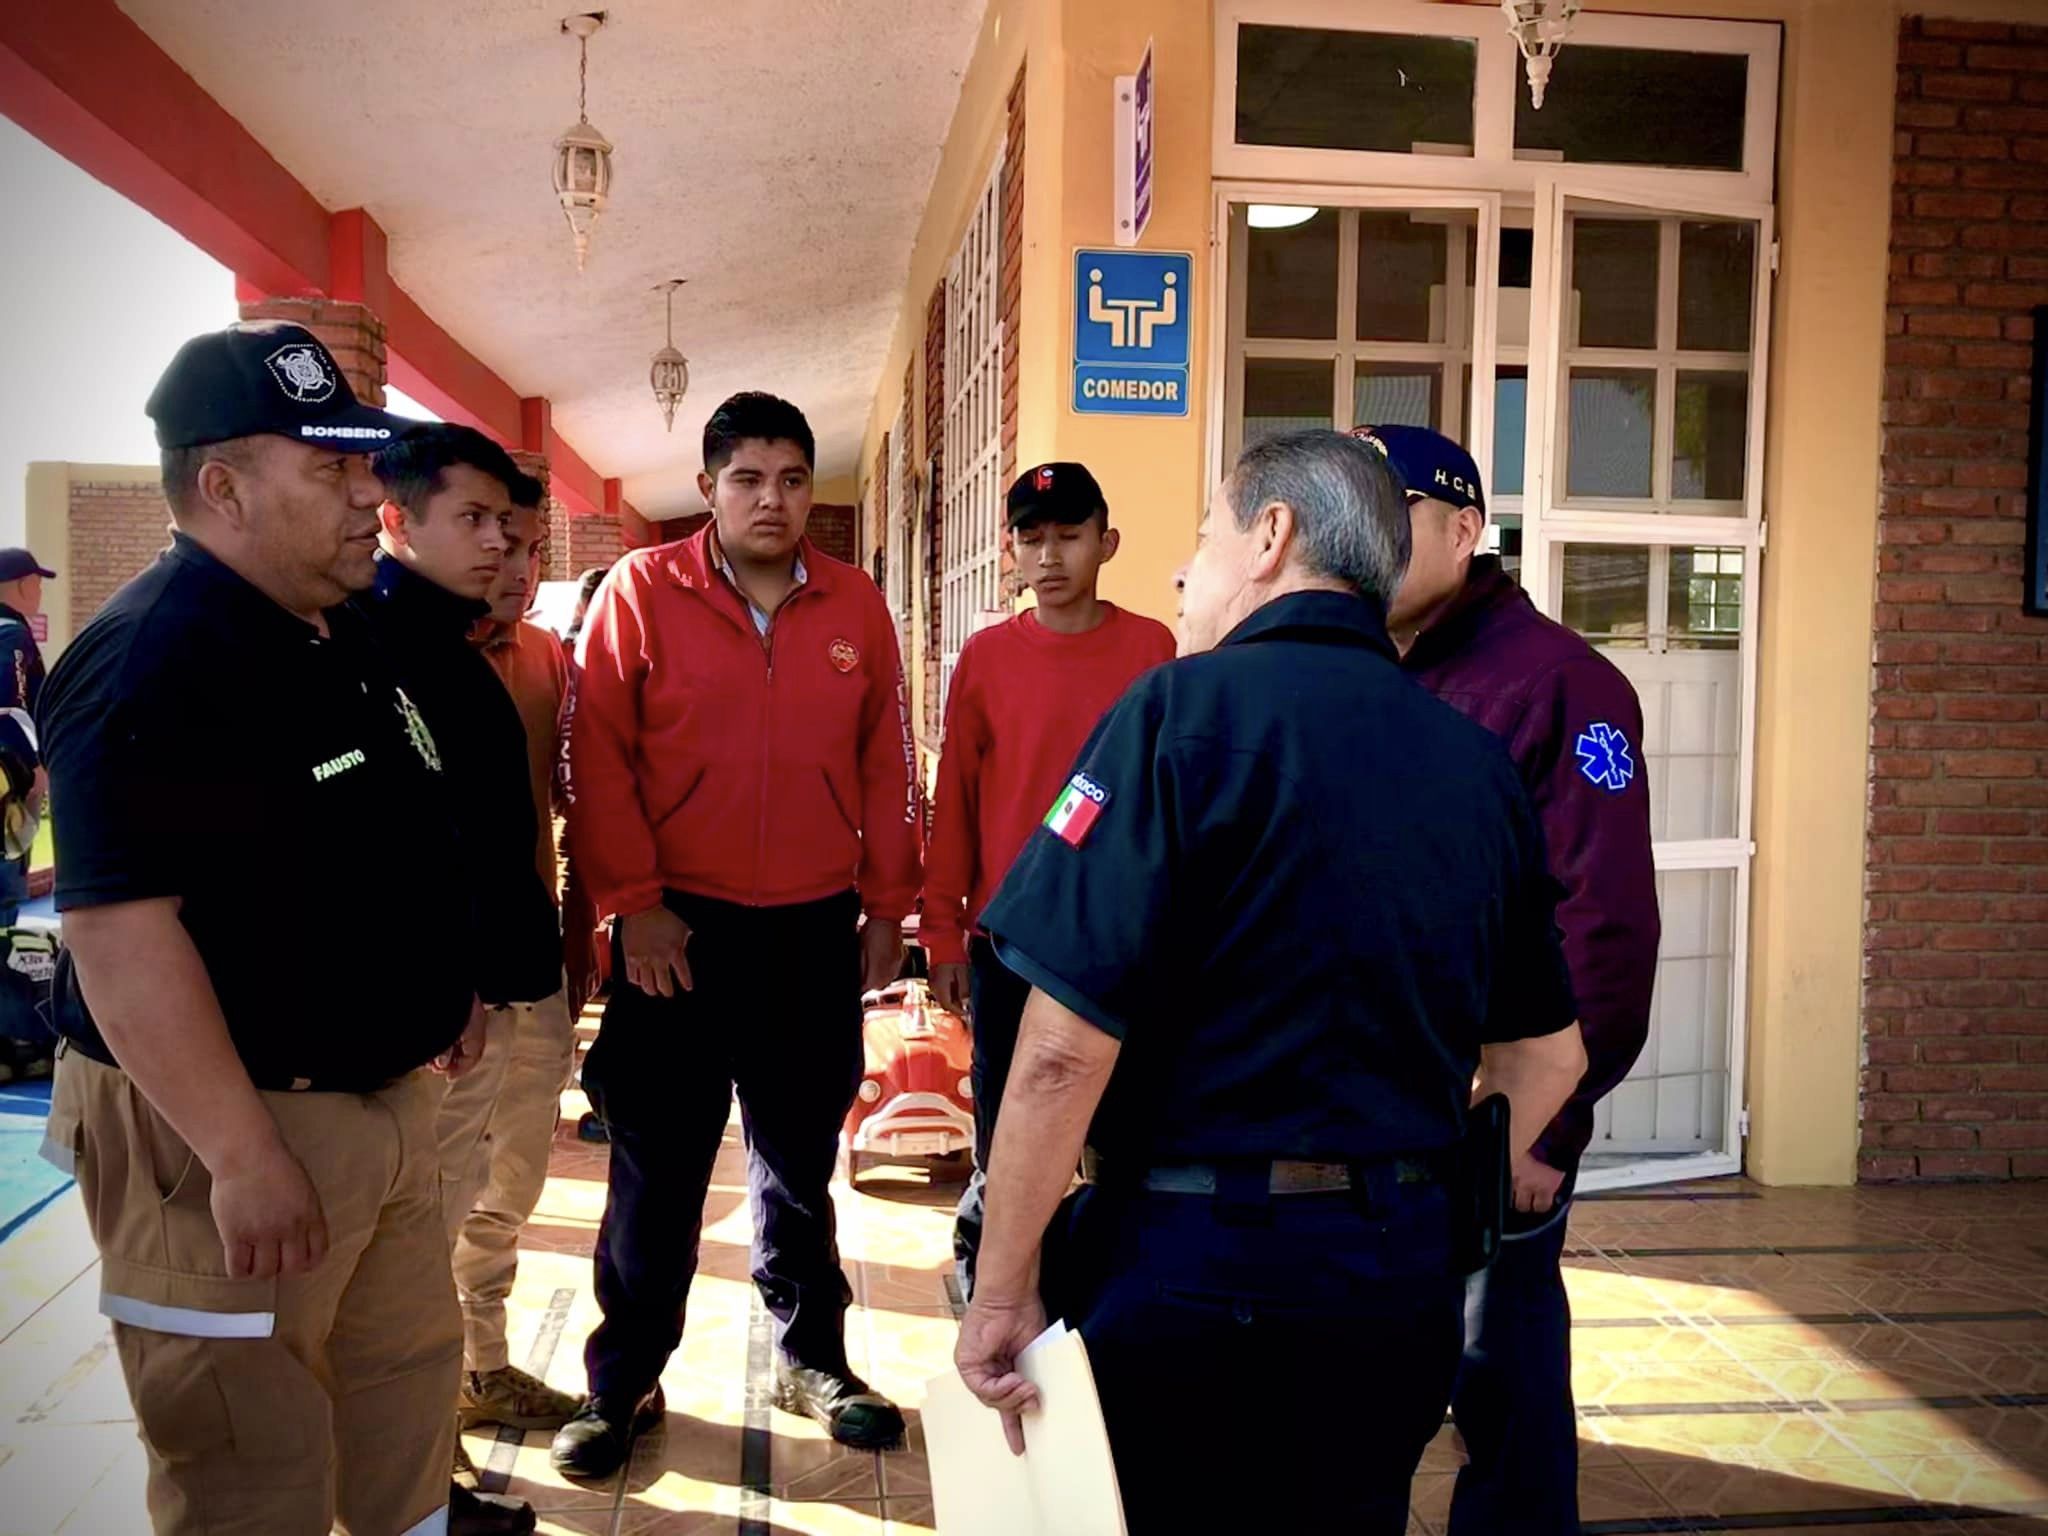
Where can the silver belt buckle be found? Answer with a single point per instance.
(1295, 1178)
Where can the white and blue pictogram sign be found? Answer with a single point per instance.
(1133, 332)
(1604, 758)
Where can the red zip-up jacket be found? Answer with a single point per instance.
(710, 761)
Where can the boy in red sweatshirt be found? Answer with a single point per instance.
(1024, 697)
(742, 761)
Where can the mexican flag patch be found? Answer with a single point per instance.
(1074, 814)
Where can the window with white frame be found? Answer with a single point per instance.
(1408, 92)
(895, 496)
(972, 517)
(1581, 295)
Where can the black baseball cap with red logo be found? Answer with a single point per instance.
(1055, 493)
(264, 377)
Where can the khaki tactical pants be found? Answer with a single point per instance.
(278, 1407)
(496, 1127)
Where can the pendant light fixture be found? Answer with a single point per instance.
(583, 156)
(1539, 28)
(670, 372)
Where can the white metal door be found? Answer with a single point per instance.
(972, 516)
(1644, 530)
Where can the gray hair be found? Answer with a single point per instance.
(1350, 513)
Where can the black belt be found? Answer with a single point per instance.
(1284, 1176)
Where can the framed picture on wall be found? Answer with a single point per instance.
(2036, 599)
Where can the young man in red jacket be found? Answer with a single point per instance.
(1024, 697)
(744, 793)
(1571, 722)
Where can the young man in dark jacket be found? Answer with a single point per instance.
(1574, 728)
(448, 502)
(448, 499)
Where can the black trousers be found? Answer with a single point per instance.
(1265, 1363)
(1513, 1402)
(774, 1014)
(998, 995)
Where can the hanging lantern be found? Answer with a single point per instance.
(1539, 28)
(670, 373)
(583, 156)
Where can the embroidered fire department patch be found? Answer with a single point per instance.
(844, 654)
(1074, 814)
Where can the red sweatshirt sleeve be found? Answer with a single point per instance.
(949, 862)
(889, 873)
(609, 837)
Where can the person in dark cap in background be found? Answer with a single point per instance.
(244, 1091)
(25, 1038)
(1572, 724)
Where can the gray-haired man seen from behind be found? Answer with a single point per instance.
(1268, 925)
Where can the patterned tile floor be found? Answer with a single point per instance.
(1855, 1361)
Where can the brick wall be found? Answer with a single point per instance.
(1012, 279)
(1956, 931)
(117, 529)
(832, 529)
(593, 541)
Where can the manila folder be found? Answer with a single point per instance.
(1065, 1482)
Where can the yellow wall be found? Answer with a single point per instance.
(836, 491)
(1151, 467)
(47, 523)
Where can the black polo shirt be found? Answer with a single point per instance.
(1301, 891)
(207, 745)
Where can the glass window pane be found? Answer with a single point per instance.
(1706, 599)
(1318, 88)
(1710, 436)
(1716, 279)
(1281, 395)
(1291, 279)
(1510, 428)
(1674, 1101)
(1674, 631)
(1607, 593)
(1402, 271)
(1610, 443)
(1614, 282)
(1639, 106)
(1398, 395)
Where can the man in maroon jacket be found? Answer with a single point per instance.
(1572, 724)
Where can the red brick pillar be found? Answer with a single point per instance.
(352, 332)
(1955, 1006)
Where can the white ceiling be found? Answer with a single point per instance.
(777, 153)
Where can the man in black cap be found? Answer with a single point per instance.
(244, 1093)
(1571, 722)
(25, 1040)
